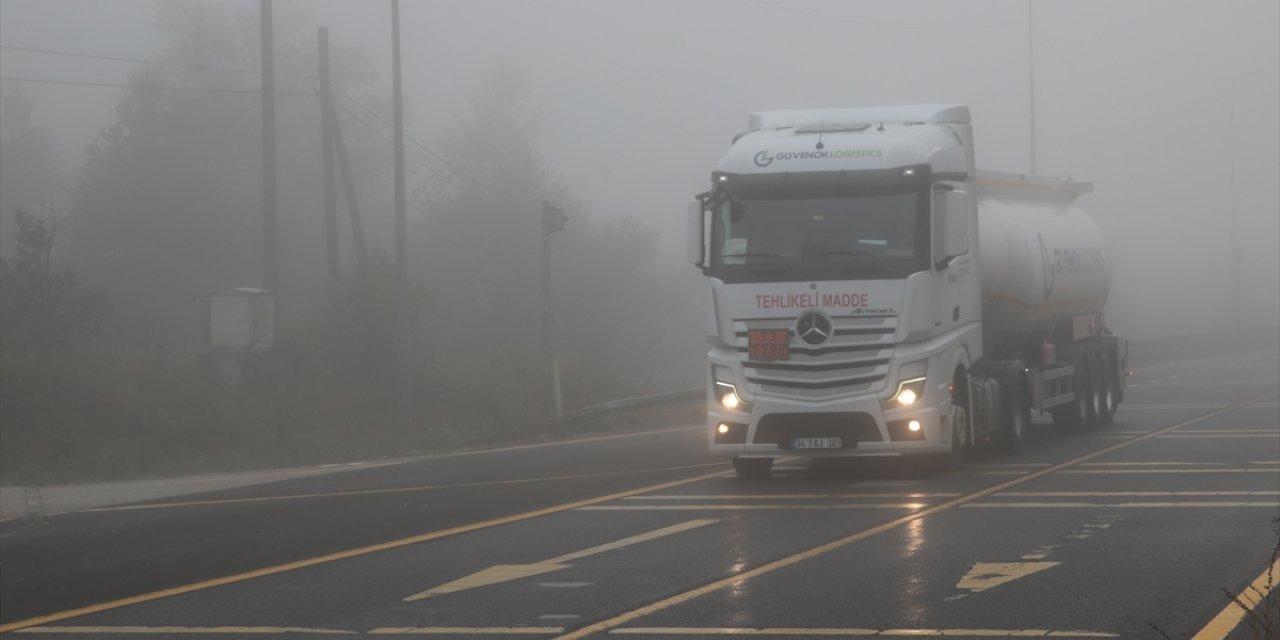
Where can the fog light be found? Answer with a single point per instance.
(722, 428)
(914, 425)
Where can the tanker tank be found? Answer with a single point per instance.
(1041, 258)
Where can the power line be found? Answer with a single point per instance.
(91, 56)
(147, 87)
(447, 163)
(880, 25)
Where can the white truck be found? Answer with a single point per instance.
(873, 294)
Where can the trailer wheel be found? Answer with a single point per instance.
(1093, 399)
(1070, 418)
(1016, 420)
(1106, 405)
(753, 468)
(1110, 389)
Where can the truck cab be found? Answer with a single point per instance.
(843, 285)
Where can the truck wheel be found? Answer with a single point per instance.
(960, 438)
(1070, 418)
(753, 468)
(1016, 420)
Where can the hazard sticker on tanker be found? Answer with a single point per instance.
(768, 344)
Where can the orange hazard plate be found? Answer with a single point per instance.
(768, 344)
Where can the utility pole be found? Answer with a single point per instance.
(402, 292)
(348, 188)
(270, 258)
(1236, 256)
(553, 219)
(1031, 79)
(398, 135)
(327, 148)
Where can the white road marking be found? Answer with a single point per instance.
(139, 630)
(1129, 494)
(507, 572)
(462, 631)
(1117, 505)
(1086, 472)
(985, 575)
(790, 496)
(815, 632)
(749, 507)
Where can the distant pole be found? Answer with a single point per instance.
(402, 294)
(1235, 236)
(348, 188)
(327, 149)
(1031, 79)
(270, 258)
(553, 219)
(398, 135)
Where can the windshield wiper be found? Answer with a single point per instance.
(854, 253)
(751, 255)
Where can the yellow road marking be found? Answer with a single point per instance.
(343, 555)
(425, 487)
(769, 567)
(1153, 464)
(789, 496)
(1222, 624)
(1133, 494)
(133, 631)
(1080, 472)
(462, 631)
(748, 507)
(855, 632)
(1271, 434)
(1114, 505)
(1217, 431)
(985, 575)
(507, 572)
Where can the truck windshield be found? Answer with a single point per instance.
(876, 236)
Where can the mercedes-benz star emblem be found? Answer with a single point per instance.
(813, 328)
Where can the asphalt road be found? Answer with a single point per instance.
(1140, 529)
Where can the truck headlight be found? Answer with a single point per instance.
(727, 396)
(908, 393)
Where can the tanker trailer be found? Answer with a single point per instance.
(873, 294)
(1045, 273)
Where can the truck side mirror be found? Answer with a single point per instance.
(955, 227)
(695, 242)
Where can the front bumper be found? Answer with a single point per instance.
(772, 423)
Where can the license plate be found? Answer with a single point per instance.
(816, 443)
(768, 344)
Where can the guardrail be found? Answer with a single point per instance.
(621, 413)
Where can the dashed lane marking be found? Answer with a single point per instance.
(790, 496)
(507, 572)
(1130, 494)
(465, 631)
(134, 631)
(1226, 621)
(752, 507)
(1119, 505)
(1086, 472)
(614, 622)
(814, 632)
(343, 555)
(418, 488)
(1153, 464)
(1219, 436)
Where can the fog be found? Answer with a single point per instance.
(1172, 109)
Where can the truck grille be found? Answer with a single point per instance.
(855, 359)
